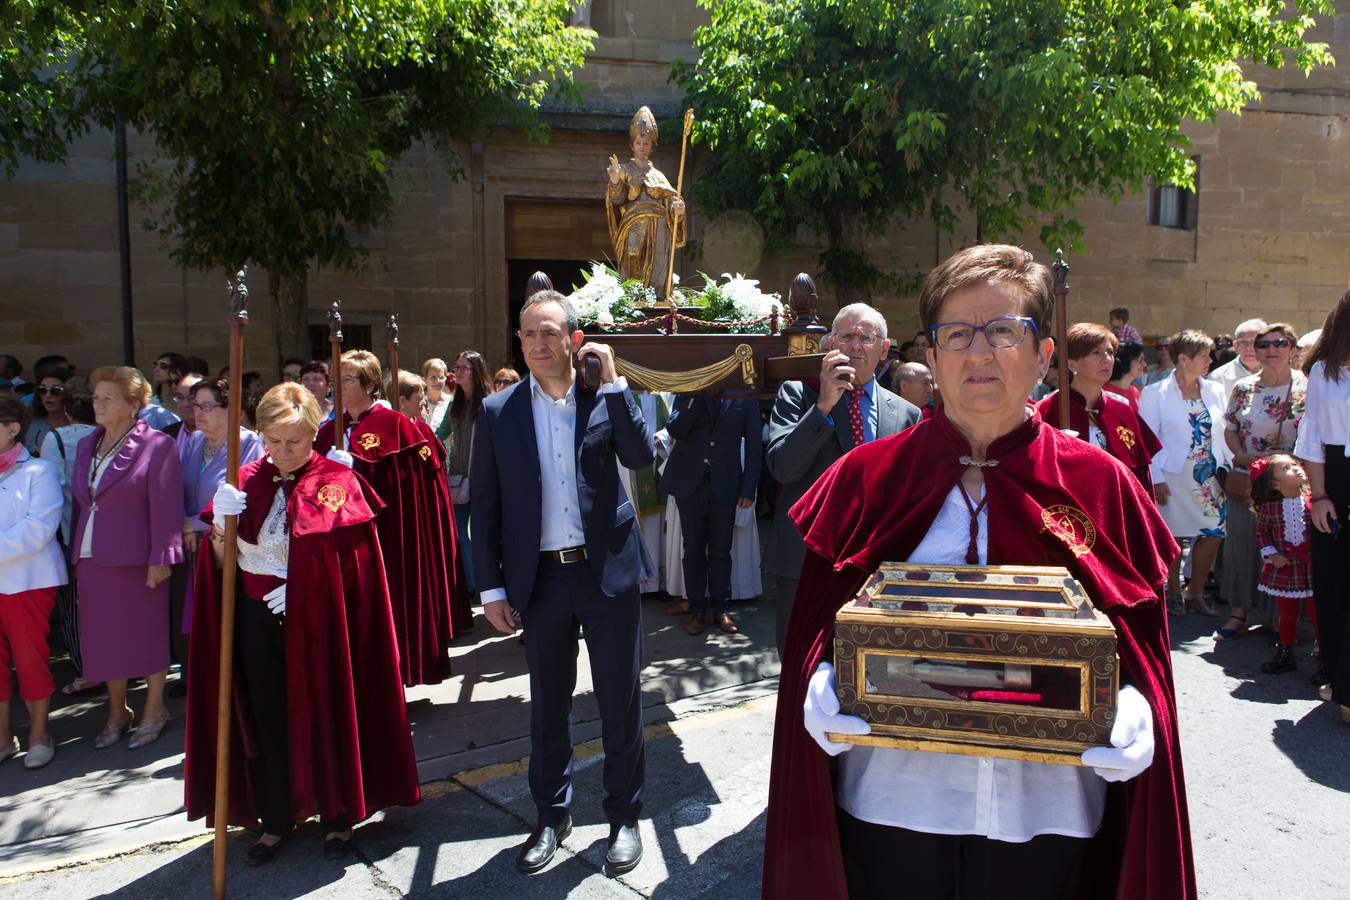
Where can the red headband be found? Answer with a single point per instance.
(1258, 467)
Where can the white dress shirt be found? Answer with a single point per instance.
(555, 429)
(939, 793)
(1326, 419)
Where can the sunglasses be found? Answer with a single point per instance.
(502, 382)
(54, 391)
(1279, 343)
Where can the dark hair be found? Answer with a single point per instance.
(10, 367)
(1332, 349)
(1263, 485)
(1120, 313)
(316, 365)
(906, 346)
(571, 322)
(218, 385)
(195, 365)
(251, 378)
(12, 409)
(1127, 353)
(61, 374)
(292, 361)
(45, 365)
(482, 381)
(79, 399)
(1083, 338)
(990, 264)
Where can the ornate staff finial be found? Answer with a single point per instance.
(539, 281)
(1061, 270)
(238, 289)
(391, 329)
(803, 299)
(335, 322)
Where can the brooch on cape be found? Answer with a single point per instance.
(1072, 526)
(369, 441)
(965, 460)
(425, 453)
(1126, 436)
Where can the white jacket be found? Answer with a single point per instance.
(30, 513)
(1163, 408)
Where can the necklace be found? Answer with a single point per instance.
(100, 459)
(210, 452)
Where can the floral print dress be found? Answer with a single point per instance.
(1265, 419)
(1197, 506)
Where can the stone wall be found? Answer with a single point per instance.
(1272, 235)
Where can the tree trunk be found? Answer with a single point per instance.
(290, 314)
(849, 268)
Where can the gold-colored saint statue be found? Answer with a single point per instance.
(645, 214)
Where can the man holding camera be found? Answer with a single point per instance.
(815, 424)
(556, 542)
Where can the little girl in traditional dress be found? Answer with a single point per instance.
(1280, 498)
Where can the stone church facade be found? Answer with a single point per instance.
(1267, 233)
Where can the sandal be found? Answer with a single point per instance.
(80, 686)
(112, 733)
(149, 732)
(1199, 603)
(12, 750)
(1176, 606)
(1228, 633)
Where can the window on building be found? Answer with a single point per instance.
(354, 337)
(1170, 206)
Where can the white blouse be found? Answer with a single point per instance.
(1326, 419)
(87, 542)
(270, 554)
(939, 793)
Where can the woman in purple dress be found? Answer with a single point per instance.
(203, 461)
(127, 489)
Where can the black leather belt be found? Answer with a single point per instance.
(564, 557)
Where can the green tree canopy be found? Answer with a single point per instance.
(849, 116)
(278, 122)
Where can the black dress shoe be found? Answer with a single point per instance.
(337, 848)
(261, 854)
(625, 850)
(538, 851)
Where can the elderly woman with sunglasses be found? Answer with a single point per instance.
(1263, 415)
(984, 481)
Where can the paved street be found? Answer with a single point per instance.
(1266, 764)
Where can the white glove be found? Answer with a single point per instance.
(339, 456)
(820, 712)
(1131, 749)
(276, 600)
(227, 501)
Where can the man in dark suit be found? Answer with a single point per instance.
(812, 426)
(556, 543)
(709, 480)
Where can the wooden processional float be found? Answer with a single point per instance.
(654, 354)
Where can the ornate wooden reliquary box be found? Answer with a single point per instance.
(1010, 661)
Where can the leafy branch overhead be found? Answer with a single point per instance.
(282, 121)
(849, 116)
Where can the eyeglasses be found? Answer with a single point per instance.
(56, 391)
(866, 338)
(1002, 333)
(463, 367)
(503, 382)
(207, 408)
(163, 364)
(1279, 343)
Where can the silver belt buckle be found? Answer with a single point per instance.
(571, 555)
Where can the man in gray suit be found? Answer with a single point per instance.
(813, 425)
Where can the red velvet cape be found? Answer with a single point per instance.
(1128, 437)
(350, 748)
(875, 504)
(417, 534)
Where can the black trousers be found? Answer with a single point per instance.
(180, 577)
(1331, 579)
(565, 595)
(884, 862)
(707, 525)
(260, 643)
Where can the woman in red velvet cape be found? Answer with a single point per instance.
(1052, 500)
(1127, 437)
(350, 749)
(416, 525)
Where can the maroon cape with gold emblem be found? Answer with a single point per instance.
(350, 749)
(1053, 501)
(417, 535)
(1128, 437)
